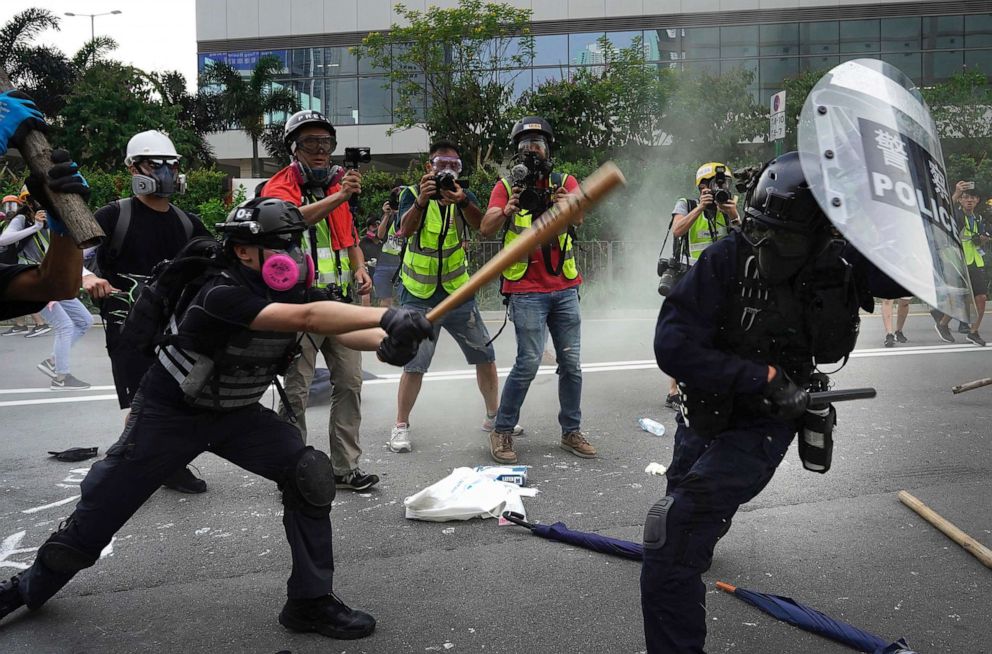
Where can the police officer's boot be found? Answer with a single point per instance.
(10, 595)
(328, 616)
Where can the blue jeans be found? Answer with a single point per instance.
(532, 314)
(70, 320)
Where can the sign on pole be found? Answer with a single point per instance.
(776, 129)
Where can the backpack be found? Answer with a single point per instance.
(123, 226)
(170, 289)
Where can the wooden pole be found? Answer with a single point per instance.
(37, 153)
(970, 545)
(972, 385)
(602, 181)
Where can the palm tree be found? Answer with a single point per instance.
(244, 101)
(42, 71)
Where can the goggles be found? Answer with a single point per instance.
(155, 164)
(454, 164)
(10, 208)
(533, 143)
(317, 144)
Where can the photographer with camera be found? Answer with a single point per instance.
(322, 192)
(384, 280)
(436, 214)
(542, 290)
(696, 225)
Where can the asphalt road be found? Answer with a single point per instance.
(206, 573)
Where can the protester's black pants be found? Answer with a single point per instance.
(160, 439)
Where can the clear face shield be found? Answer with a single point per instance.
(10, 207)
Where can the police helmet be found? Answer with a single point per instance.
(302, 119)
(268, 222)
(781, 198)
(531, 125)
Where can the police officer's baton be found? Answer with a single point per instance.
(37, 153)
(823, 398)
(552, 222)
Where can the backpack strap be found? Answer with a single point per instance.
(186, 221)
(120, 228)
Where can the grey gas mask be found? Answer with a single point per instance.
(163, 182)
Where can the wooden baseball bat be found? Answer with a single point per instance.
(34, 147)
(590, 192)
(970, 545)
(972, 385)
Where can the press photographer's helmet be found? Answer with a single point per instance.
(302, 119)
(785, 223)
(267, 222)
(707, 171)
(532, 126)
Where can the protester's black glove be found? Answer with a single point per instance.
(396, 352)
(63, 177)
(406, 325)
(785, 399)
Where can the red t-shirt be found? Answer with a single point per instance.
(537, 279)
(285, 185)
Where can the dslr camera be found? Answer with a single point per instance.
(445, 181)
(720, 187)
(528, 170)
(670, 270)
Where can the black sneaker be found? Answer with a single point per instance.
(328, 616)
(936, 315)
(356, 480)
(976, 339)
(900, 337)
(68, 383)
(964, 328)
(38, 330)
(16, 330)
(944, 332)
(890, 340)
(185, 481)
(48, 367)
(10, 595)
(674, 401)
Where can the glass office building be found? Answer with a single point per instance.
(930, 40)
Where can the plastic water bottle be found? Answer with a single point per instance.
(651, 426)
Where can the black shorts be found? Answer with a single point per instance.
(979, 280)
(127, 365)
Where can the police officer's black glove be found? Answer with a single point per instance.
(396, 352)
(406, 325)
(785, 399)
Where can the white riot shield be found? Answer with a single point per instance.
(871, 155)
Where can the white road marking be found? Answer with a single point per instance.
(9, 547)
(52, 505)
(22, 391)
(602, 366)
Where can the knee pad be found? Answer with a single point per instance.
(656, 524)
(310, 486)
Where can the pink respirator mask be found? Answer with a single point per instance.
(287, 268)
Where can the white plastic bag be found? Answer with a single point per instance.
(466, 494)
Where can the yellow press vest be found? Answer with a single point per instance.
(333, 267)
(521, 221)
(434, 254)
(972, 256)
(704, 233)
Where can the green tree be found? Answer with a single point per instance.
(796, 90)
(197, 113)
(245, 101)
(453, 71)
(960, 107)
(109, 104)
(42, 71)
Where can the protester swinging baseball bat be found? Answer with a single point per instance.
(970, 545)
(34, 147)
(972, 385)
(590, 192)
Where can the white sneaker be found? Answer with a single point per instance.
(399, 439)
(489, 424)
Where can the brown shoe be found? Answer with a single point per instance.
(501, 447)
(577, 444)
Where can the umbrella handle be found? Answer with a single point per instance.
(517, 519)
(724, 586)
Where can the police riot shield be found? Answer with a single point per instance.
(871, 155)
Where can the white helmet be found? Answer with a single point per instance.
(150, 144)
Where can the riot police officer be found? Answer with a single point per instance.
(741, 333)
(201, 394)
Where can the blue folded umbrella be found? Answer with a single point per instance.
(590, 541)
(809, 619)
